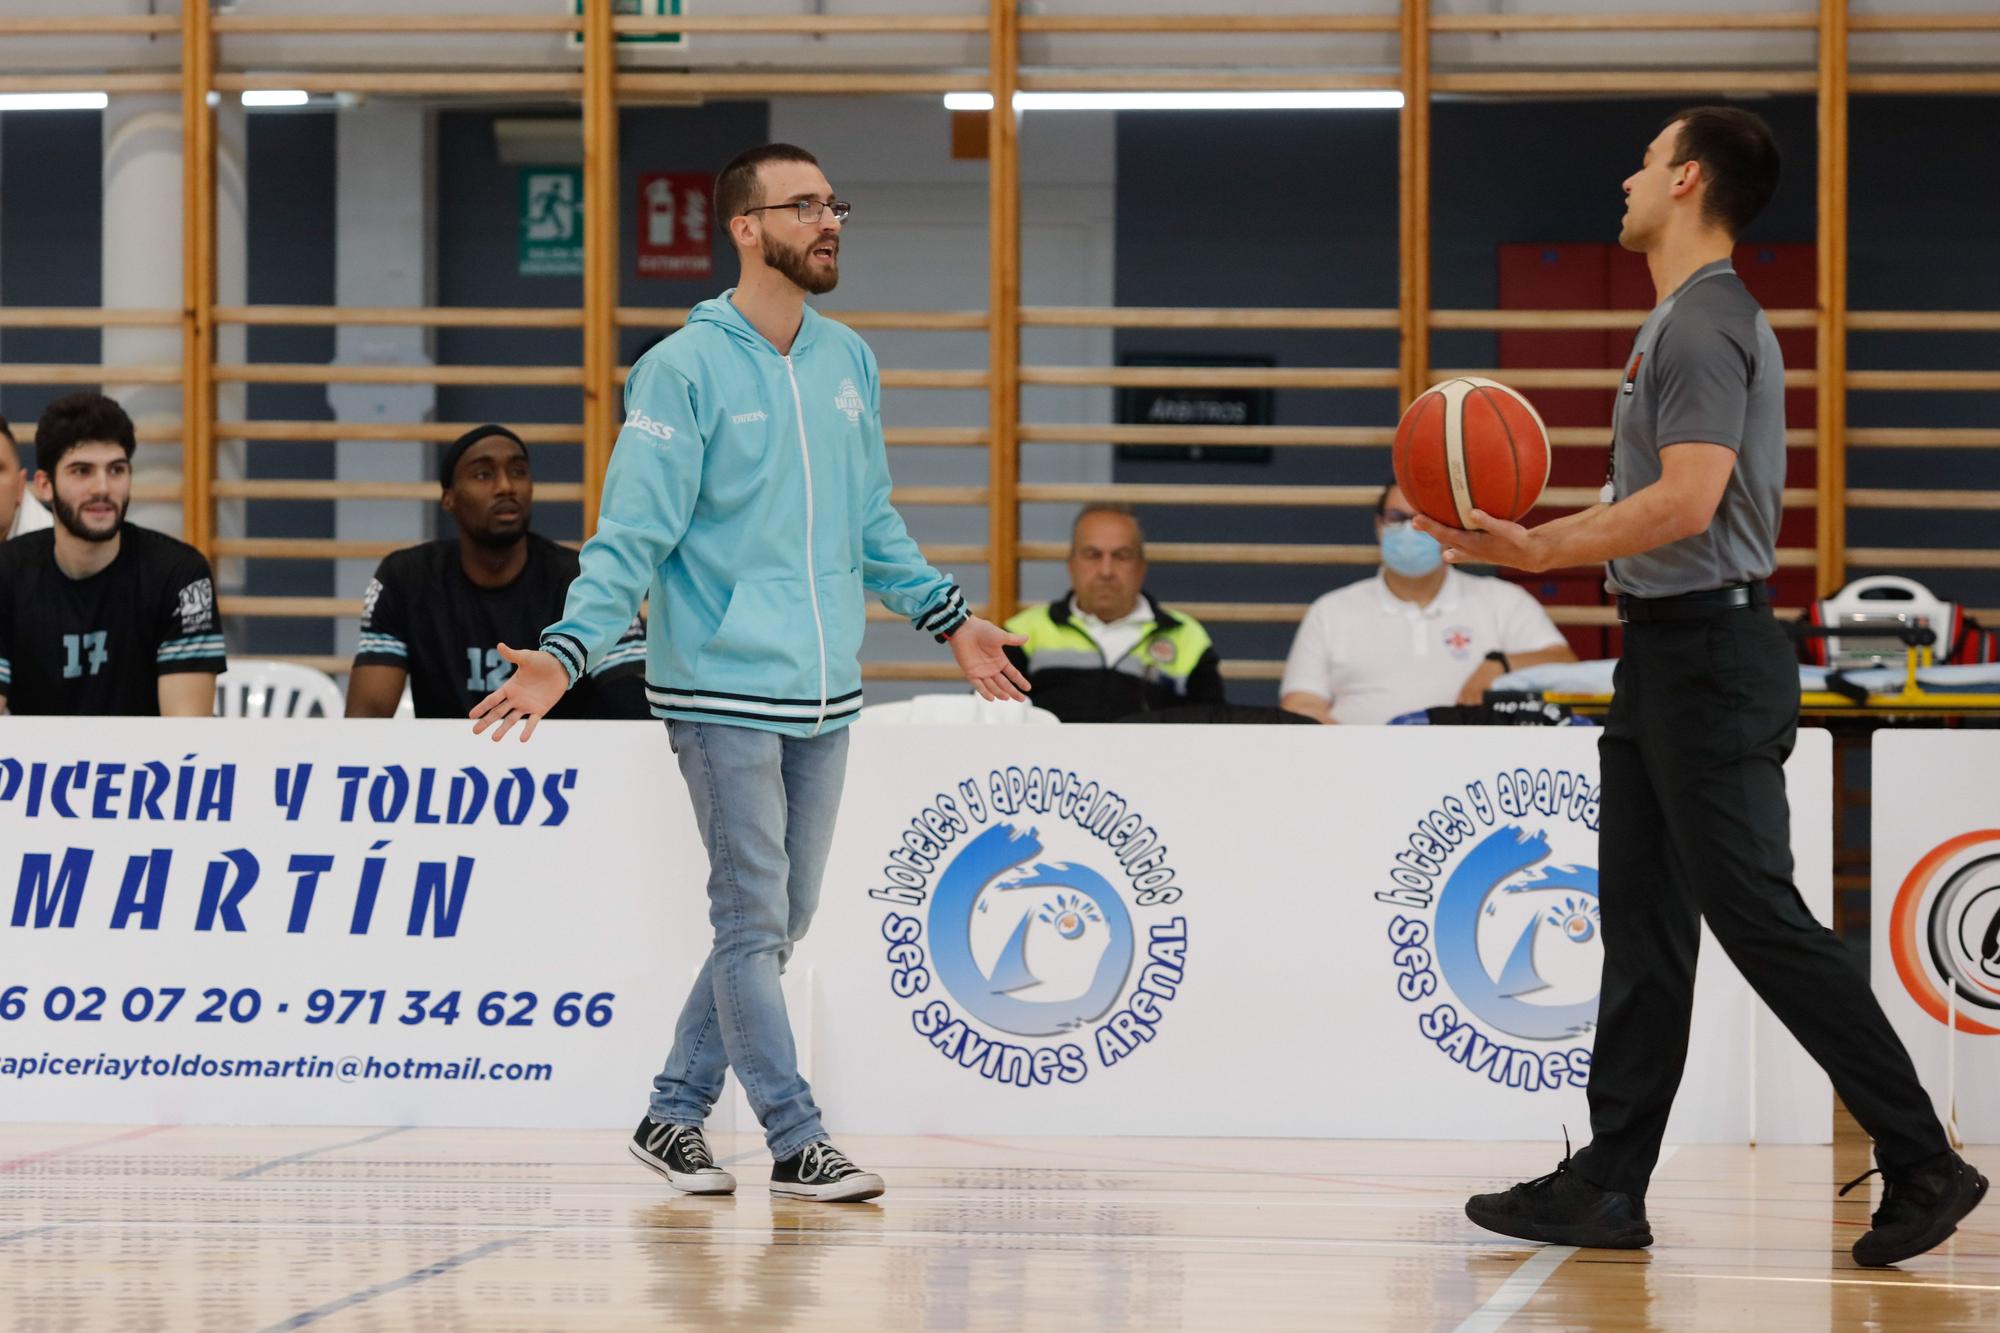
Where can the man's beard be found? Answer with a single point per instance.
(798, 266)
(72, 521)
(497, 539)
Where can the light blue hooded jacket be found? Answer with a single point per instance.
(750, 492)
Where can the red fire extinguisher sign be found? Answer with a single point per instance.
(674, 224)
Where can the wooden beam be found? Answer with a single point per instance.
(1781, 22)
(430, 432)
(1218, 24)
(197, 280)
(1211, 377)
(91, 26)
(86, 317)
(1097, 432)
(514, 85)
(1180, 317)
(1414, 200)
(1639, 81)
(1003, 309)
(443, 317)
(937, 321)
(601, 391)
(1831, 515)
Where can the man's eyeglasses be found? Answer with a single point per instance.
(810, 210)
(1394, 517)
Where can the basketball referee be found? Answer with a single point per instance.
(1705, 708)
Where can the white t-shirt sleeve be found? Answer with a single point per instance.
(1309, 666)
(1524, 626)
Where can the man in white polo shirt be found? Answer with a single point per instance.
(1417, 635)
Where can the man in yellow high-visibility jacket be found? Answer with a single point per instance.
(1106, 649)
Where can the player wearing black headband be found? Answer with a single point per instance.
(433, 612)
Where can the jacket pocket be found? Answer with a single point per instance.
(764, 643)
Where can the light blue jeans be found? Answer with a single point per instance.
(765, 805)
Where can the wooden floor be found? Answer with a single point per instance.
(209, 1229)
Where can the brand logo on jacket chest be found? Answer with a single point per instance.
(848, 400)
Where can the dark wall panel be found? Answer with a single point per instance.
(51, 215)
(293, 185)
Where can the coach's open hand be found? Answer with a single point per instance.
(1489, 541)
(979, 645)
(537, 685)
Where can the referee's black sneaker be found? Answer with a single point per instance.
(1920, 1208)
(679, 1153)
(822, 1173)
(1562, 1208)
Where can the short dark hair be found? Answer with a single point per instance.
(448, 466)
(7, 431)
(80, 418)
(1106, 507)
(1739, 160)
(1382, 500)
(736, 189)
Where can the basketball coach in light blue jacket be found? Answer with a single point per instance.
(749, 492)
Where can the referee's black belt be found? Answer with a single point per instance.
(1694, 605)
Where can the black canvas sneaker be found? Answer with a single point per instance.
(1920, 1208)
(679, 1153)
(1562, 1208)
(821, 1172)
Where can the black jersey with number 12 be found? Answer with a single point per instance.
(424, 615)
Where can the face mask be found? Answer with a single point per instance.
(1410, 553)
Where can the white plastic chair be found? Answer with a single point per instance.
(957, 710)
(255, 687)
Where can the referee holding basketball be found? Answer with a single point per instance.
(1694, 818)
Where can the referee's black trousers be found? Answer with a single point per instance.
(1694, 824)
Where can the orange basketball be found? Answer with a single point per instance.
(1471, 444)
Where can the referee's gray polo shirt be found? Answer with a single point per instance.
(1705, 368)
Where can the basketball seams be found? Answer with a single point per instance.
(1452, 393)
(1514, 509)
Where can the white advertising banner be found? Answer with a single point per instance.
(1348, 932)
(320, 922)
(1355, 932)
(1935, 914)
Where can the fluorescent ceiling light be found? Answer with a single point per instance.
(276, 97)
(53, 101)
(1388, 100)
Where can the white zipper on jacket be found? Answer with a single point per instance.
(812, 570)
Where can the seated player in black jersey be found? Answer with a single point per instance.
(434, 612)
(100, 617)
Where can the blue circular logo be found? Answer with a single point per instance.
(1537, 916)
(1033, 952)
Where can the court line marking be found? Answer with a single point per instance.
(314, 1152)
(31, 1231)
(1520, 1288)
(1915, 1282)
(16, 1163)
(423, 1274)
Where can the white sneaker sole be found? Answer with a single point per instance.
(862, 1185)
(699, 1182)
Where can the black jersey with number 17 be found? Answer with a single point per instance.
(97, 646)
(424, 615)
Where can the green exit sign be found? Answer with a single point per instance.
(641, 9)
